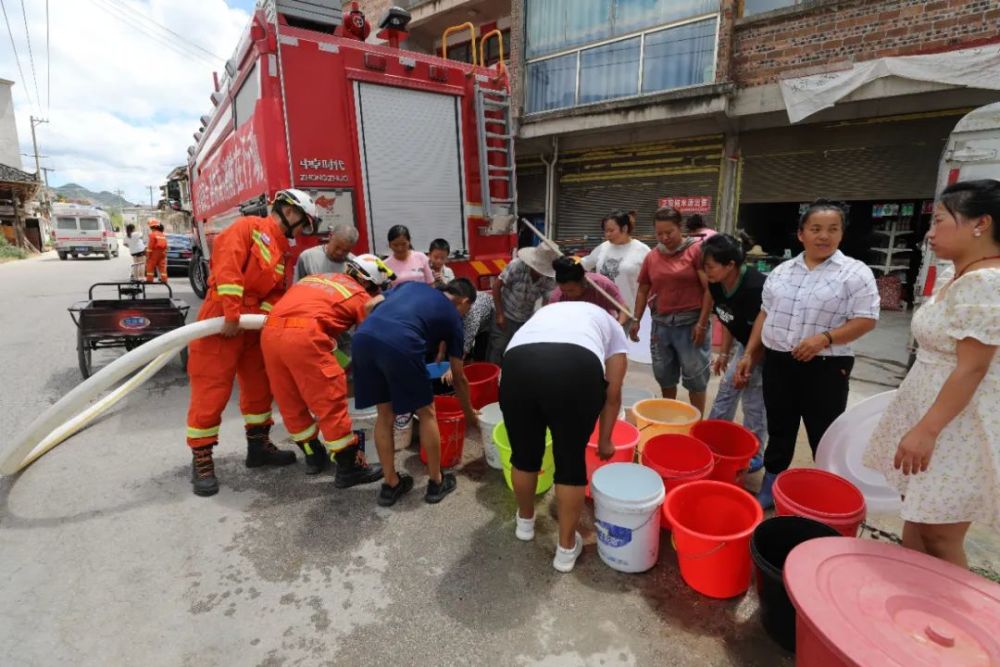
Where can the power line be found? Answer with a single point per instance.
(155, 23)
(31, 55)
(13, 45)
(48, 62)
(157, 37)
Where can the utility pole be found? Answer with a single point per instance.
(19, 220)
(150, 188)
(46, 171)
(35, 122)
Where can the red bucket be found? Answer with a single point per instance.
(712, 523)
(821, 496)
(624, 437)
(732, 445)
(678, 459)
(451, 424)
(484, 383)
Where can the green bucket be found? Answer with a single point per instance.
(547, 474)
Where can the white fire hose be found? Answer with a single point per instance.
(71, 413)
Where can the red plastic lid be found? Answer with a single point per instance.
(880, 604)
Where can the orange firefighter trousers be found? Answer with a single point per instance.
(213, 363)
(309, 385)
(156, 261)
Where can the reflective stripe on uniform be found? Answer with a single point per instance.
(279, 269)
(305, 435)
(193, 432)
(229, 289)
(344, 292)
(264, 250)
(340, 443)
(265, 306)
(257, 419)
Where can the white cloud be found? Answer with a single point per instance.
(123, 105)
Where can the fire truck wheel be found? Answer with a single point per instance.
(198, 275)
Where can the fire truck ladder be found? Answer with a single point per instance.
(495, 132)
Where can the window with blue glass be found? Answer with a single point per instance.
(586, 51)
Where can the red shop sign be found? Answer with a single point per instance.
(688, 205)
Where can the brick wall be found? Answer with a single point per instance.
(835, 35)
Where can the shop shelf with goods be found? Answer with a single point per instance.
(895, 224)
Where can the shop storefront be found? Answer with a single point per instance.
(884, 169)
(638, 177)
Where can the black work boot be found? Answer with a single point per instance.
(262, 452)
(352, 466)
(316, 456)
(203, 471)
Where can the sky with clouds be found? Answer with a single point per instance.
(126, 95)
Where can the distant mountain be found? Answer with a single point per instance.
(105, 199)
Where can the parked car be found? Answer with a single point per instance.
(178, 254)
(82, 231)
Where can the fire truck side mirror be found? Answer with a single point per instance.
(396, 18)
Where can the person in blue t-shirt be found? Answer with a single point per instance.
(390, 372)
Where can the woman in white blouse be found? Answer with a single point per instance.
(814, 306)
(620, 256)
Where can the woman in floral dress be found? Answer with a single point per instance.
(938, 443)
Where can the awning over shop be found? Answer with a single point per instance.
(969, 68)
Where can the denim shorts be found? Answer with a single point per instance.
(677, 359)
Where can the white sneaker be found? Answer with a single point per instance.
(566, 558)
(525, 529)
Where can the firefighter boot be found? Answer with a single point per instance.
(353, 467)
(203, 471)
(316, 457)
(262, 452)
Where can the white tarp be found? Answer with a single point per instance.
(970, 68)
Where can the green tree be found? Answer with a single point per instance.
(117, 221)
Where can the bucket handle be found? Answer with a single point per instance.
(710, 552)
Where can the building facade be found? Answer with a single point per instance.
(739, 110)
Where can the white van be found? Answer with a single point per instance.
(972, 152)
(83, 230)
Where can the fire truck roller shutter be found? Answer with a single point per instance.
(410, 146)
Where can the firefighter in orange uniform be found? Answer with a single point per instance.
(247, 277)
(309, 385)
(156, 252)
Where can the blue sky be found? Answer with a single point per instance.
(126, 94)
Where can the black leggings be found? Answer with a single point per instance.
(814, 392)
(558, 386)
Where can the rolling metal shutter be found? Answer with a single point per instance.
(410, 145)
(889, 158)
(530, 186)
(595, 182)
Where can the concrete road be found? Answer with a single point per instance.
(110, 560)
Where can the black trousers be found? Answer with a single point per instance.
(555, 386)
(814, 392)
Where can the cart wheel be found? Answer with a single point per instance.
(184, 359)
(83, 354)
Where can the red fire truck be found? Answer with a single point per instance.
(378, 135)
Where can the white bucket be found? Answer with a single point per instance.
(363, 419)
(402, 431)
(489, 417)
(627, 499)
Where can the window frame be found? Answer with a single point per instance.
(792, 4)
(641, 34)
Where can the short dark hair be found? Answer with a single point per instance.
(129, 228)
(722, 249)
(668, 214)
(620, 218)
(439, 244)
(821, 205)
(462, 288)
(398, 230)
(696, 222)
(974, 199)
(568, 270)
